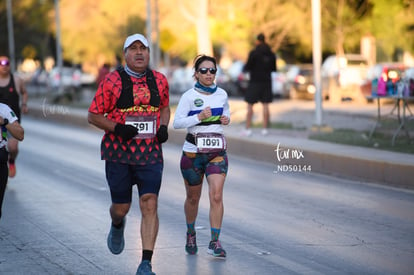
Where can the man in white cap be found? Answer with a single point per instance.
(132, 106)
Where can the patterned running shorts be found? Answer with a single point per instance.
(195, 165)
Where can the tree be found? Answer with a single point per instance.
(93, 31)
(31, 27)
(197, 14)
(392, 24)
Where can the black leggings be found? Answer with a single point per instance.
(4, 174)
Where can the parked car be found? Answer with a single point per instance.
(87, 79)
(343, 75)
(224, 81)
(69, 77)
(392, 72)
(181, 80)
(39, 77)
(279, 82)
(300, 83)
(241, 79)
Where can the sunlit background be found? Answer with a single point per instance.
(92, 32)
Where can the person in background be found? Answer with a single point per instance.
(118, 61)
(14, 94)
(135, 118)
(260, 64)
(103, 71)
(8, 124)
(203, 110)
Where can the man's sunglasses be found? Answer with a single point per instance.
(205, 70)
(4, 62)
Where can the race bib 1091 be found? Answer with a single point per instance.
(210, 142)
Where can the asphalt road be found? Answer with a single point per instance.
(55, 217)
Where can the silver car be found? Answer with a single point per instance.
(342, 76)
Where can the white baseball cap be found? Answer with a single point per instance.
(135, 37)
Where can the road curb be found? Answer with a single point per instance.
(298, 156)
(301, 155)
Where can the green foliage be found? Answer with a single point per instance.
(167, 39)
(31, 26)
(29, 52)
(233, 40)
(93, 31)
(389, 23)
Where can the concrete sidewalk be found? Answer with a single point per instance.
(290, 150)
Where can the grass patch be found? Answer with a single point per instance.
(356, 138)
(279, 125)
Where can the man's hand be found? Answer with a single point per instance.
(162, 134)
(125, 131)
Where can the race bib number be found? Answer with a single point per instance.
(210, 142)
(147, 126)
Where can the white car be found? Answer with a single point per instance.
(181, 80)
(87, 79)
(279, 84)
(342, 76)
(69, 78)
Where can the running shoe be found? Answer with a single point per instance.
(265, 132)
(246, 133)
(145, 268)
(215, 249)
(12, 170)
(115, 239)
(191, 245)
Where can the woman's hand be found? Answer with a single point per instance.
(204, 114)
(224, 120)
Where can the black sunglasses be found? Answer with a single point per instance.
(205, 70)
(4, 62)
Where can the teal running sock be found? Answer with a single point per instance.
(215, 232)
(191, 228)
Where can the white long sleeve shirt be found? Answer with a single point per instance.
(191, 104)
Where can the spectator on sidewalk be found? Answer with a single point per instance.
(260, 64)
